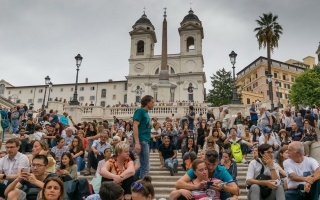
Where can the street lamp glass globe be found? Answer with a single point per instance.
(50, 84)
(47, 80)
(277, 83)
(78, 60)
(269, 78)
(233, 57)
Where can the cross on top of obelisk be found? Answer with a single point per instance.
(165, 13)
(144, 10)
(190, 6)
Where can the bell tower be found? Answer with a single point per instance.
(191, 35)
(143, 38)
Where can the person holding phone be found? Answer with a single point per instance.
(170, 132)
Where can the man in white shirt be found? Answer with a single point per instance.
(232, 138)
(37, 135)
(270, 169)
(12, 164)
(68, 137)
(301, 170)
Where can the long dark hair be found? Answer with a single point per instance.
(280, 158)
(71, 160)
(80, 144)
(254, 136)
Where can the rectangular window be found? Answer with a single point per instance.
(125, 98)
(51, 90)
(268, 92)
(279, 94)
(71, 89)
(191, 97)
(287, 96)
(138, 99)
(39, 100)
(40, 90)
(31, 91)
(114, 97)
(266, 73)
(256, 75)
(29, 100)
(81, 88)
(61, 89)
(9, 92)
(267, 81)
(81, 98)
(114, 86)
(91, 88)
(284, 77)
(292, 79)
(50, 99)
(280, 84)
(19, 91)
(275, 75)
(92, 98)
(126, 86)
(248, 100)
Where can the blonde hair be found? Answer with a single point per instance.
(100, 129)
(120, 147)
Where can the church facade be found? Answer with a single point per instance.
(186, 74)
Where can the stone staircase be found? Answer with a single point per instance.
(161, 179)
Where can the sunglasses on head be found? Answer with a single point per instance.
(190, 136)
(136, 185)
(212, 155)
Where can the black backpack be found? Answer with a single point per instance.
(78, 189)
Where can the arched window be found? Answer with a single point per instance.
(172, 71)
(103, 104)
(190, 91)
(140, 48)
(157, 71)
(190, 44)
(103, 93)
(2, 88)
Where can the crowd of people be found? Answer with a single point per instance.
(49, 149)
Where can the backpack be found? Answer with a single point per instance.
(15, 115)
(236, 151)
(78, 189)
(4, 122)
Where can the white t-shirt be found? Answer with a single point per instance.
(306, 168)
(37, 136)
(272, 141)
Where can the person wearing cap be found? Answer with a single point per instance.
(267, 138)
(227, 187)
(284, 137)
(191, 115)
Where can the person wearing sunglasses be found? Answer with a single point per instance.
(228, 191)
(120, 169)
(168, 156)
(142, 189)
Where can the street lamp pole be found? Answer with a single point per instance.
(235, 99)
(270, 90)
(47, 81)
(75, 95)
(278, 85)
(50, 85)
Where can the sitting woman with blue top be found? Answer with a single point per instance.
(170, 132)
(229, 164)
(227, 187)
(77, 152)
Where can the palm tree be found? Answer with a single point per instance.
(268, 35)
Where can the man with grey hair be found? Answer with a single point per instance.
(266, 117)
(68, 137)
(303, 174)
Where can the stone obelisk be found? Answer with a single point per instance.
(164, 85)
(164, 74)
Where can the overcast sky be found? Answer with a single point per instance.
(40, 38)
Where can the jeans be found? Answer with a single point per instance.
(144, 161)
(80, 163)
(276, 194)
(90, 143)
(25, 146)
(154, 145)
(169, 163)
(53, 143)
(254, 122)
(295, 194)
(14, 125)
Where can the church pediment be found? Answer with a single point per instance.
(191, 26)
(5, 83)
(142, 30)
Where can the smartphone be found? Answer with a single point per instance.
(26, 170)
(209, 184)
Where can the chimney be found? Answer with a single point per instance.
(86, 80)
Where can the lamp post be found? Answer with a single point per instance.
(269, 77)
(47, 81)
(278, 85)
(50, 86)
(75, 95)
(235, 99)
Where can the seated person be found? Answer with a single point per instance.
(189, 151)
(77, 151)
(155, 137)
(267, 138)
(229, 164)
(107, 156)
(25, 145)
(68, 168)
(170, 132)
(247, 137)
(28, 180)
(296, 133)
(211, 143)
(138, 194)
(168, 155)
(228, 191)
(303, 173)
(281, 157)
(53, 183)
(270, 169)
(108, 190)
(234, 139)
(120, 169)
(310, 136)
(59, 149)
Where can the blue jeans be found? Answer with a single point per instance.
(90, 143)
(169, 163)
(14, 125)
(254, 122)
(144, 161)
(80, 163)
(53, 143)
(293, 195)
(154, 145)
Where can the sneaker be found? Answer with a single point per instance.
(244, 161)
(171, 171)
(175, 167)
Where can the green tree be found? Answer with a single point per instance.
(306, 88)
(268, 34)
(222, 88)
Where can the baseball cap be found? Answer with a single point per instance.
(266, 130)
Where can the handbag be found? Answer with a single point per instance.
(265, 191)
(32, 193)
(5, 122)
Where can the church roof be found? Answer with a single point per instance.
(191, 16)
(143, 20)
